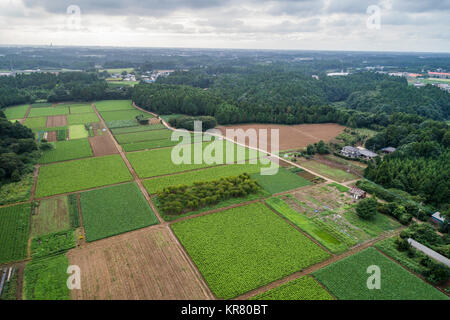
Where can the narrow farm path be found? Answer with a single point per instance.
(26, 115)
(317, 266)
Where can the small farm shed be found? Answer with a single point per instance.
(357, 193)
(388, 150)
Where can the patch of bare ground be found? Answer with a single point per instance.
(145, 264)
(293, 136)
(103, 145)
(56, 121)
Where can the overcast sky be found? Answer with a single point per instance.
(405, 25)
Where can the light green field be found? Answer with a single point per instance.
(81, 108)
(49, 111)
(82, 118)
(138, 128)
(35, 123)
(188, 178)
(78, 132)
(143, 136)
(123, 115)
(16, 112)
(148, 145)
(119, 70)
(122, 83)
(244, 248)
(67, 150)
(282, 181)
(80, 175)
(113, 105)
(327, 171)
(158, 162)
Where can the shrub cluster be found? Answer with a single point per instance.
(187, 123)
(179, 199)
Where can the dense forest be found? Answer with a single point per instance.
(65, 86)
(18, 150)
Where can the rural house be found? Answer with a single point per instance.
(350, 152)
(437, 218)
(357, 193)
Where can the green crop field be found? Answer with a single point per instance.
(78, 131)
(143, 136)
(188, 178)
(115, 210)
(49, 111)
(46, 279)
(35, 123)
(303, 288)
(82, 118)
(327, 171)
(331, 241)
(14, 231)
(123, 115)
(282, 181)
(67, 150)
(244, 248)
(138, 128)
(16, 112)
(158, 162)
(113, 105)
(347, 279)
(81, 174)
(52, 215)
(51, 244)
(81, 108)
(380, 223)
(148, 145)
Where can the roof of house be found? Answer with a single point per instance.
(388, 149)
(357, 191)
(429, 252)
(368, 153)
(350, 149)
(437, 215)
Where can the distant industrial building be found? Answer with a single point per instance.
(439, 75)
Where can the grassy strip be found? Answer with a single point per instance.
(49, 111)
(82, 118)
(138, 128)
(16, 112)
(74, 214)
(124, 115)
(113, 105)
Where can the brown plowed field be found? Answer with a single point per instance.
(145, 264)
(51, 136)
(56, 121)
(103, 145)
(295, 136)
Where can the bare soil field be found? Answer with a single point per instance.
(295, 136)
(103, 145)
(145, 264)
(56, 121)
(52, 136)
